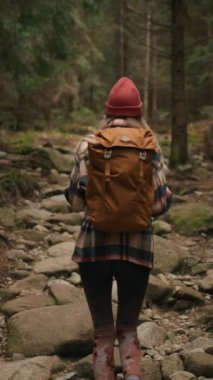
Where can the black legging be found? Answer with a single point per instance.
(132, 280)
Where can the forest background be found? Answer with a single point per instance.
(59, 59)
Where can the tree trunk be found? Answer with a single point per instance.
(147, 60)
(154, 78)
(152, 94)
(122, 38)
(179, 122)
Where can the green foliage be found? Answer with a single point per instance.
(45, 43)
(84, 116)
(15, 184)
(188, 219)
(38, 35)
(24, 142)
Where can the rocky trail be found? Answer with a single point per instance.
(45, 326)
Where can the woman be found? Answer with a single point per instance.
(126, 257)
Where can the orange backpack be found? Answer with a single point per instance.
(120, 189)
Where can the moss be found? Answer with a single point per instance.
(188, 219)
(15, 184)
(24, 142)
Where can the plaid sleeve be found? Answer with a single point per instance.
(75, 192)
(162, 194)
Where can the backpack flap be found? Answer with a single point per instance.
(120, 191)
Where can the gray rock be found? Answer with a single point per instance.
(84, 369)
(55, 238)
(55, 265)
(56, 203)
(73, 219)
(17, 356)
(185, 168)
(75, 279)
(171, 364)
(57, 178)
(60, 161)
(204, 317)
(26, 303)
(201, 268)
(158, 289)
(33, 235)
(3, 154)
(32, 284)
(187, 293)
(169, 257)
(151, 335)
(19, 274)
(206, 284)
(40, 228)
(16, 254)
(64, 248)
(199, 363)
(191, 261)
(160, 227)
(64, 293)
(31, 216)
(68, 376)
(150, 369)
(182, 375)
(38, 368)
(53, 329)
(7, 217)
(202, 342)
(7, 294)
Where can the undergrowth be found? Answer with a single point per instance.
(15, 184)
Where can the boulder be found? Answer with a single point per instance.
(38, 368)
(150, 369)
(64, 330)
(205, 343)
(56, 203)
(7, 217)
(169, 256)
(32, 301)
(199, 363)
(171, 364)
(32, 284)
(206, 284)
(62, 162)
(182, 375)
(32, 215)
(73, 218)
(63, 292)
(151, 335)
(204, 317)
(161, 228)
(187, 293)
(64, 248)
(51, 266)
(158, 289)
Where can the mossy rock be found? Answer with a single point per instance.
(189, 218)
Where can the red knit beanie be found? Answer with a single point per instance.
(124, 99)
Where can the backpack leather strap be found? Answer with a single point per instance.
(142, 159)
(107, 156)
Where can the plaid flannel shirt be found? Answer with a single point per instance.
(93, 245)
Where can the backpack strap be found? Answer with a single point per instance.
(142, 158)
(107, 156)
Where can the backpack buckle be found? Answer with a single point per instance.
(107, 154)
(143, 156)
